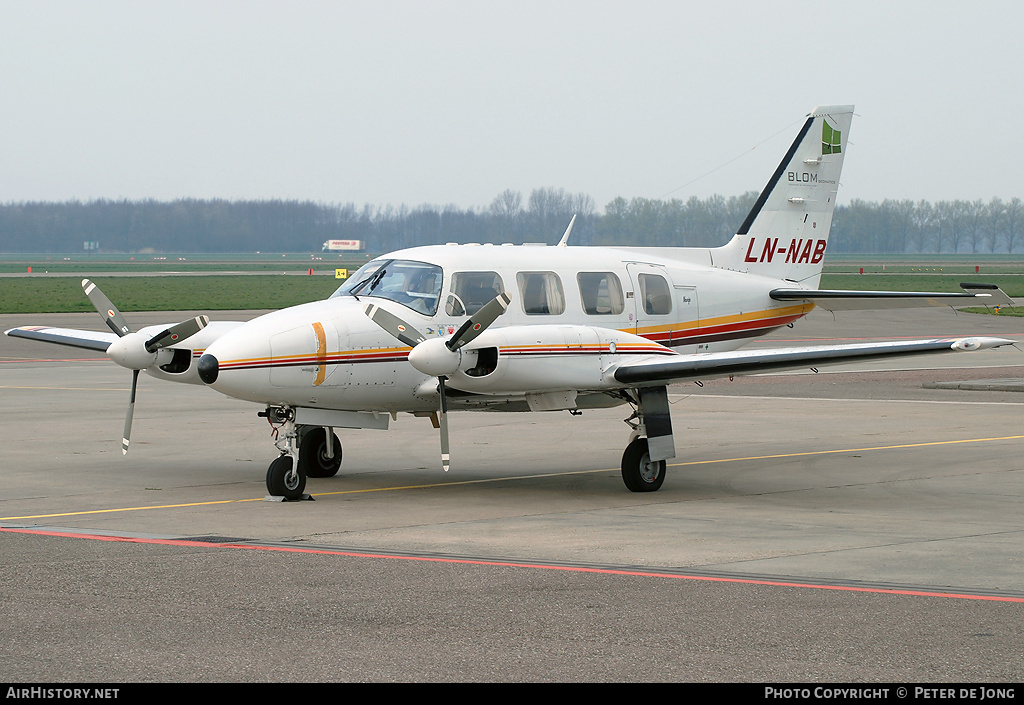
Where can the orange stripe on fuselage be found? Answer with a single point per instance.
(321, 354)
(680, 331)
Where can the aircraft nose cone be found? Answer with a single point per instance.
(208, 368)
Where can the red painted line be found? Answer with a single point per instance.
(517, 564)
(100, 537)
(580, 352)
(681, 336)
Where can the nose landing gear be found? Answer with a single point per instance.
(306, 451)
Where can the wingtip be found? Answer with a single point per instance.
(979, 343)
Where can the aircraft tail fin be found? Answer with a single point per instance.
(786, 232)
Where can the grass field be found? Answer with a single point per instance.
(1012, 284)
(157, 293)
(58, 294)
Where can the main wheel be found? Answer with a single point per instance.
(313, 458)
(639, 472)
(282, 482)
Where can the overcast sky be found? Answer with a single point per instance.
(453, 102)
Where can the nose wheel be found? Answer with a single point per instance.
(284, 480)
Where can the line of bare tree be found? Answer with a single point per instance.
(194, 225)
(918, 227)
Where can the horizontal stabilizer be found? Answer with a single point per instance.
(848, 300)
(996, 296)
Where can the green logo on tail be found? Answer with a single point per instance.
(831, 139)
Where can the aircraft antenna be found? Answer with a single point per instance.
(730, 161)
(565, 237)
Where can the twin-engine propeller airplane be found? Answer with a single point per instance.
(531, 328)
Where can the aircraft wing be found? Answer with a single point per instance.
(844, 300)
(87, 339)
(664, 370)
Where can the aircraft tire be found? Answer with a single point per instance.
(313, 458)
(277, 479)
(638, 472)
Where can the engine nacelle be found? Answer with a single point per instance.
(545, 358)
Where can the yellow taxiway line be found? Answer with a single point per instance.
(434, 485)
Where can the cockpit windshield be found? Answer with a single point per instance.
(413, 284)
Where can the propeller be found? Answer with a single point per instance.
(438, 357)
(136, 351)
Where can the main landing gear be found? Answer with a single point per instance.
(652, 443)
(306, 451)
(319, 451)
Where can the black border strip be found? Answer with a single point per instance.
(805, 294)
(756, 210)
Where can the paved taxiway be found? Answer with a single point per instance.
(808, 530)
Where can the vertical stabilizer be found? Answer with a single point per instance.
(786, 232)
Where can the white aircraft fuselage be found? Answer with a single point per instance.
(329, 354)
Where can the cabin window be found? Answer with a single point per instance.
(470, 291)
(541, 293)
(655, 293)
(601, 293)
(416, 285)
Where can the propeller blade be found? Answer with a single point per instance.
(126, 438)
(443, 419)
(479, 321)
(111, 316)
(177, 333)
(394, 325)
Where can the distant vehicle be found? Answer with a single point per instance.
(342, 245)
